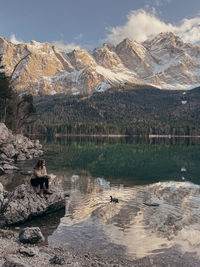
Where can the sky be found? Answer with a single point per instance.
(86, 24)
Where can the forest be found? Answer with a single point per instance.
(139, 111)
(15, 111)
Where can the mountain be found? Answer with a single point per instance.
(164, 61)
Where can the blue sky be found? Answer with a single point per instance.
(88, 23)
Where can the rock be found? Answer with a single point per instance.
(1, 196)
(13, 261)
(57, 260)
(16, 147)
(37, 144)
(31, 235)
(30, 252)
(21, 157)
(2, 171)
(5, 134)
(23, 203)
(3, 157)
(9, 167)
(1, 188)
(8, 149)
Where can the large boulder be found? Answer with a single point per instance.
(8, 150)
(24, 203)
(5, 134)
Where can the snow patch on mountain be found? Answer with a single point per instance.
(116, 77)
(164, 61)
(103, 87)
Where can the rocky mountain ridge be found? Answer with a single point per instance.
(164, 61)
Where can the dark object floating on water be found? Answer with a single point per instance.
(112, 199)
(151, 204)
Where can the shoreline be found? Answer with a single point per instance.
(14, 253)
(120, 135)
(172, 136)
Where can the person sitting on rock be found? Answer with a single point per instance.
(41, 178)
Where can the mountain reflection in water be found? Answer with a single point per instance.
(92, 223)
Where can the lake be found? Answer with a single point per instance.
(164, 171)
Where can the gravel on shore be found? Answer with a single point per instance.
(14, 253)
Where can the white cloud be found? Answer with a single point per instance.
(78, 37)
(142, 25)
(161, 2)
(14, 40)
(66, 47)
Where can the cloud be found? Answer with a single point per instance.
(66, 47)
(161, 2)
(78, 37)
(142, 25)
(14, 40)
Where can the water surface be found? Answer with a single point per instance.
(135, 171)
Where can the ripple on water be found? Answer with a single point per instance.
(92, 223)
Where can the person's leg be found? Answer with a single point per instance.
(40, 182)
(46, 181)
(47, 191)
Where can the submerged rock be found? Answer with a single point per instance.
(31, 235)
(24, 203)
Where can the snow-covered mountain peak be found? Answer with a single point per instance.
(81, 58)
(163, 61)
(166, 40)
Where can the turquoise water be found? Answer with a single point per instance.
(163, 171)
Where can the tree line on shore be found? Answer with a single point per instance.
(143, 111)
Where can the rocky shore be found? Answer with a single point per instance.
(15, 148)
(24, 203)
(15, 253)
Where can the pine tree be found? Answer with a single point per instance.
(6, 93)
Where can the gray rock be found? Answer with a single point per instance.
(37, 144)
(4, 157)
(8, 149)
(23, 203)
(17, 147)
(28, 156)
(5, 134)
(57, 260)
(31, 235)
(21, 157)
(9, 167)
(13, 261)
(21, 141)
(1, 188)
(30, 252)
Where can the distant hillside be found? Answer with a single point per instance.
(141, 111)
